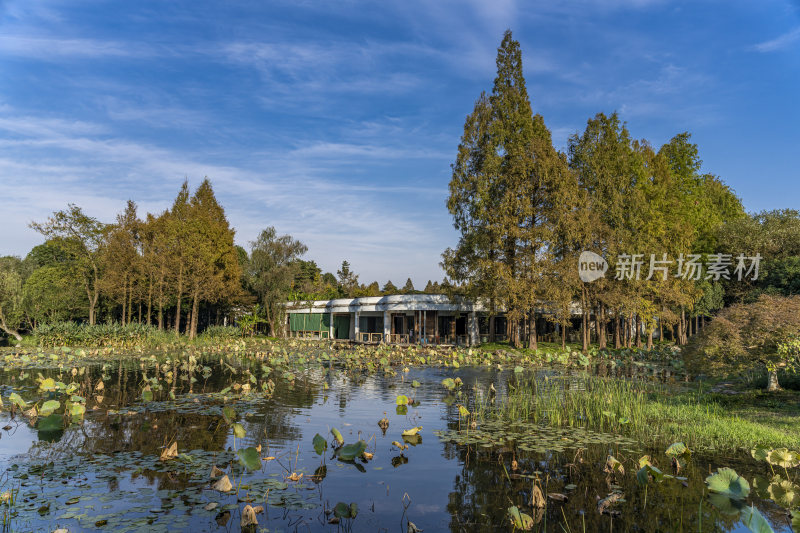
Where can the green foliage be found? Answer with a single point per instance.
(99, 335)
(765, 332)
(221, 332)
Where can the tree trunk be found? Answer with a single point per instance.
(772, 380)
(639, 332)
(150, 302)
(650, 339)
(179, 298)
(617, 343)
(563, 337)
(193, 326)
(584, 321)
(532, 340)
(491, 328)
(601, 327)
(10, 331)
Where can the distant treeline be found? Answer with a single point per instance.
(178, 270)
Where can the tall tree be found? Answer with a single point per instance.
(408, 288)
(213, 272)
(80, 237)
(273, 266)
(348, 280)
(11, 307)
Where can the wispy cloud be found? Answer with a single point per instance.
(56, 49)
(779, 43)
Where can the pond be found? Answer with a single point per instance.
(113, 467)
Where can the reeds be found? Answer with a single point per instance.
(648, 412)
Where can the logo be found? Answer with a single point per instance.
(591, 266)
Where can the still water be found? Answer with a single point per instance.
(105, 472)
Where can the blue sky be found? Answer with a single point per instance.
(337, 122)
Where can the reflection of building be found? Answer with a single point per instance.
(398, 319)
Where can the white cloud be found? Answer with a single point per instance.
(779, 43)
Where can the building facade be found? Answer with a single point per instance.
(397, 319)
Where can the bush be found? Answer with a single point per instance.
(99, 335)
(221, 332)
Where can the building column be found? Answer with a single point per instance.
(331, 332)
(472, 329)
(355, 324)
(387, 326)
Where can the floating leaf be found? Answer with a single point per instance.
(412, 431)
(223, 484)
(342, 510)
(48, 407)
(402, 399)
(320, 444)
(726, 481)
(47, 385)
(519, 519)
(449, 383)
(170, 452)
(249, 458)
(351, 451)
(415, 384)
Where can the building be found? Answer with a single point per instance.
(397, 319)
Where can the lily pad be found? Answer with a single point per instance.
(351, 451)
(726, 481)
(249, 458)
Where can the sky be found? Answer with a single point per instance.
(337, 122)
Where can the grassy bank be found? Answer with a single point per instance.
(655, 414)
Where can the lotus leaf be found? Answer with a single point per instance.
(249, 458)
(48, 407)
(519, 519)
(402, 400)
(48, 384)
(783, 457)
(238, 430)
(726, 481)
(784, 493)
(338, 436)
(320, 444)
(760, 453)
(755, 521)
(412, 431)
(17, 400)
(351, 451)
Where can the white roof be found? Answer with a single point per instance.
(396, 303)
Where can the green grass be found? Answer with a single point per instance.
(656, 414)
